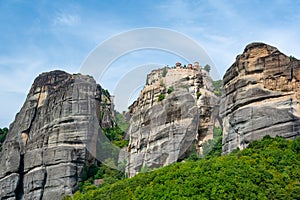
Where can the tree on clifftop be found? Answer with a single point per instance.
(207, 68)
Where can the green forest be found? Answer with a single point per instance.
(267, 169)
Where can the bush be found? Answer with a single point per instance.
(217, 87)
(164, 72)
(198, 95)
(161, 97)
(170, 90)
(3, 134)
(161, 83)
(292, 58)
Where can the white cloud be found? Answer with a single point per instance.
(62, 18)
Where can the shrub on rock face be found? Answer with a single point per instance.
(3, 133)
(164, 73)
(161, 97)
(217, 87)
(198, 95)
(170, 90)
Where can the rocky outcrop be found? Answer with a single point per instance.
(261, 97)
(44, 152)
(174, 112)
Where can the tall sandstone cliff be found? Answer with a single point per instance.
(261, 97)
(44, 152)
(174, 112)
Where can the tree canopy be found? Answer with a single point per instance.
(267, 169)
(207, 68)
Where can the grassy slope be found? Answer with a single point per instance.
(267, 169)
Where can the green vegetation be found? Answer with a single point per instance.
(105, 93)
(198, 95)
(121, 121)
(267, 169)
(101, 171)
(210, 148)
(3, 134)
(213, 147)
(116, 135)
(217, 87)
(170, 90)
(164, 72)
(185, 87)
(161, 97)
(207, 68)
(292, 58)
(104, 104)
(161, 83)
(94, 172)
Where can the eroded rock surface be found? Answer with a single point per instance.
(44, 152)
(261, 97)
(174, 112)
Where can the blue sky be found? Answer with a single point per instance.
(39, 36)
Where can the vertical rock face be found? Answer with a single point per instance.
(174, 112)
(44, 152)
(261, 97)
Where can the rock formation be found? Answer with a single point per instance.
(174, 113)
(44, 152)
(260, 97)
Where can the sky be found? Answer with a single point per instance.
(40, 36)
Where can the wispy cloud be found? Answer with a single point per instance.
(66, 19)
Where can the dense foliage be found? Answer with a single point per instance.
(210, 148)
(116, 136)
(117, 133)
(213, 147)
(3, 133)
(93, 172)
(267, 169)
(121, 121)
(217, 87)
